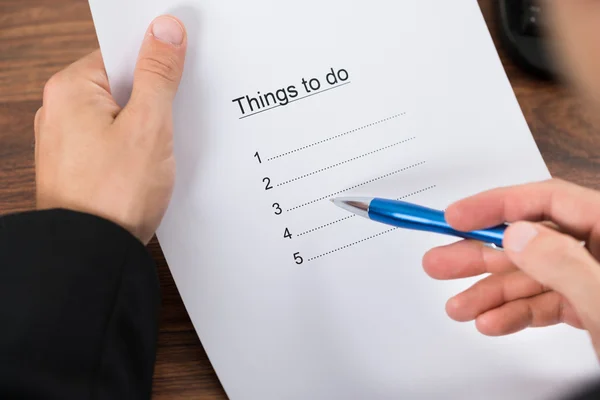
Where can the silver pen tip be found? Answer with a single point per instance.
(356, 205)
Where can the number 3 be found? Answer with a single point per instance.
(277, 208)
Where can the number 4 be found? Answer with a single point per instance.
(287, 234)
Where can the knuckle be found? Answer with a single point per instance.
(166, 68)
(144, 122)
(54, 85)
(141, 111)
(565, 184)
(556, 181)
(39, 115)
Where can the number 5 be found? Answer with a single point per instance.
(299, 260)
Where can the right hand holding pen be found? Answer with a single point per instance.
(544, 277)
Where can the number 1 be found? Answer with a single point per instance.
(258, 157)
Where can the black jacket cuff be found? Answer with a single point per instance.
(79, 301)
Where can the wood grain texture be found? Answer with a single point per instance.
(40, 37)
(561, 126)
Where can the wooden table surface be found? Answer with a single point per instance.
(40, 37)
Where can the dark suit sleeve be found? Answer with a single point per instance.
(79, 299)
(591, 392)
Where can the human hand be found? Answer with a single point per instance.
(94, 157)
(575, 31)
(544, 277)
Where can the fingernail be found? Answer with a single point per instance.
(168, 30)
(519, 236)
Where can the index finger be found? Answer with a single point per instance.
(90, 67)
(574, 208)
(81, 87)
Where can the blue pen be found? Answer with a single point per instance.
(411, 216)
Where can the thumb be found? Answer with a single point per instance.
(159, 68)
(560, 263)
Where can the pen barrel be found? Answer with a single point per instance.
(415, 217)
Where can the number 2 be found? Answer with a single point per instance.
(267, 181)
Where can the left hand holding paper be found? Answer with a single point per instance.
(94, 157)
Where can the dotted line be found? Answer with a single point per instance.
(344, 162)
(362, 240)
(356, 186)
(337, 136)
(417, 192)
(326, 225)
(350, 245)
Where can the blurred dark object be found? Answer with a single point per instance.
(522, 32)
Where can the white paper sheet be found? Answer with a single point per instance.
(421, 110)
